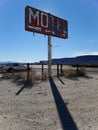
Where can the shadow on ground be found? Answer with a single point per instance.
(65, 117)
(26, 85)
(77, 77)
(61, 80)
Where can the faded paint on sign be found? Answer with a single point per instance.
(45, 23)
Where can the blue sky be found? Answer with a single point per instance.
(16, 44)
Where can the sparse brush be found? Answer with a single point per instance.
(68, 73)
(45, 75)
(19, 77)
(6, 75)
(82, 71)
(32, 77)
(22, 77)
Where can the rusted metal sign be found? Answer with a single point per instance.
(41, 22)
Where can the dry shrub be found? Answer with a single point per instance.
(22, 77)
(68, 73)
(45, 76)
(32, 79)
(82, 71)
(39, 78)
(6, 75)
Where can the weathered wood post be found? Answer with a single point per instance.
(77, 68)
(28, 72)
(42, 70)
(57, 70)
(61, 69)
(49, 56)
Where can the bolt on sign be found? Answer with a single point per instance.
(41, 22)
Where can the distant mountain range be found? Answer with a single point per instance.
(87, 60)
(6, 62)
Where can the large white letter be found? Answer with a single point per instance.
(44, 20)
(33, 15)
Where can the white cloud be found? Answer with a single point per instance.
(84, 53)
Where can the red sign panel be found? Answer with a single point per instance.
(45, 23)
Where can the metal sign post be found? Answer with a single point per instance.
(49, 55)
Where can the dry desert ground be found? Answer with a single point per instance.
(54, 104)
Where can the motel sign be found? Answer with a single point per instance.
(45, 23)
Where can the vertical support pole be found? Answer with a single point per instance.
(28, 75)
(61, 69)
(49, 56)
(57, 70)
(42, 71)
(77, 68)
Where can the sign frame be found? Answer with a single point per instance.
(45, 23)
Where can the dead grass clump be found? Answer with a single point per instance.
(68, 73)
(82, 71)
(22, 78)
(45, 76)
(6, 75)
(33, 78)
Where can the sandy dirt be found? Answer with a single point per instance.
(58, 104)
